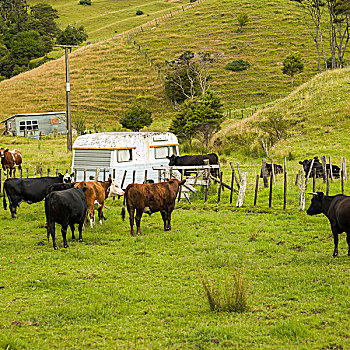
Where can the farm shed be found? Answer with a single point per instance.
(36, 124)
(117, 152)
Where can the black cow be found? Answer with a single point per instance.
(337, 210)
(66, 207)
(29, 190)
(197, 159)
(306, 163)
(278, 169)
(60, 187)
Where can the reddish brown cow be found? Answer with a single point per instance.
(10, 158)
(96, 194)
(150, 198)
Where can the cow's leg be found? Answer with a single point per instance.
(72, 229)
(100, 214)
(168, 227)
(80, 230)
(131, 218)
(51, 228)
(13, 209)
(138, 220)
(164, 217)
(348, 241)
(64, 235)
(336, 239)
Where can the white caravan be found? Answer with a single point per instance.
(116, 152)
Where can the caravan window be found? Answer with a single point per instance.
(124, 155)
(173, 151)
(161, 152)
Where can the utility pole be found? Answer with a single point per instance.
(68, 108)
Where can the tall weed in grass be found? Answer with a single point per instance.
(226, 296)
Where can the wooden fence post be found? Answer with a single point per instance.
(345, 172)
(0, 179)
(324, 172)
(27, 173)
(330, 168)
(273, 172)
(182, 175)
(241, 194)
(263, 169)
(34, 171)
(327, 182)
(256, 189)
(133, 176)
(301, 190)
(123, 180)
(296, 179)
(145, 179)
(84, 175)
(97, 174)
(232, 180)
(270, 193)
(234, 174)
(20, 174)
(14, 173)
(220, 186)
(310, 169)
(342, 180)
(285, 185)
(239, 172)
(314, 181)
(104, 174)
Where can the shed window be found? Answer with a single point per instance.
(28, 125)
(124, 155)
(161, 152)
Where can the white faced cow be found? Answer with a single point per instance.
(9, 159)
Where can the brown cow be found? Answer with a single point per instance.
(10, 158)
(150, 198)
(96, 194)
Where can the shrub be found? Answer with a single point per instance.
(136, 118)
(85, 2)
(193, 0)
(226, 295)
(139, 12)
(329, 63)
(79, 123)
(238, 65)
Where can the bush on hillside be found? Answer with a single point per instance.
(136, 118)
(85, 2)
(329, 63)
(238, 65)
(139, 12)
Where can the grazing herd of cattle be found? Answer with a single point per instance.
(68, 203)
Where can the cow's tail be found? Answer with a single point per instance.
(4, 199)
(123, 208)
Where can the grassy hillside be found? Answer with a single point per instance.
(108, 77)
(104, 17)
(317, 116)
(105, 80)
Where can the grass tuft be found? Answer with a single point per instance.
(226, 296)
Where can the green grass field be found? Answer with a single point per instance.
(117, 291)
(104, 18)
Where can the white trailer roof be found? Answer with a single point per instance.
(120, 140)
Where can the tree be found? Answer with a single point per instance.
(27, 44)
(339, 14)
(293, 64)
(200, 116)
(180, 125)
(242, 20)
(136, 118)
(189, 75)
(42, 19)
(313, 10)
(71, 35)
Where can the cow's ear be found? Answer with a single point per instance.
(168, 157)
(182, 182)
(60, 175)
(72, 174)
(300, 162)
(320, 195)
(6, 150)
